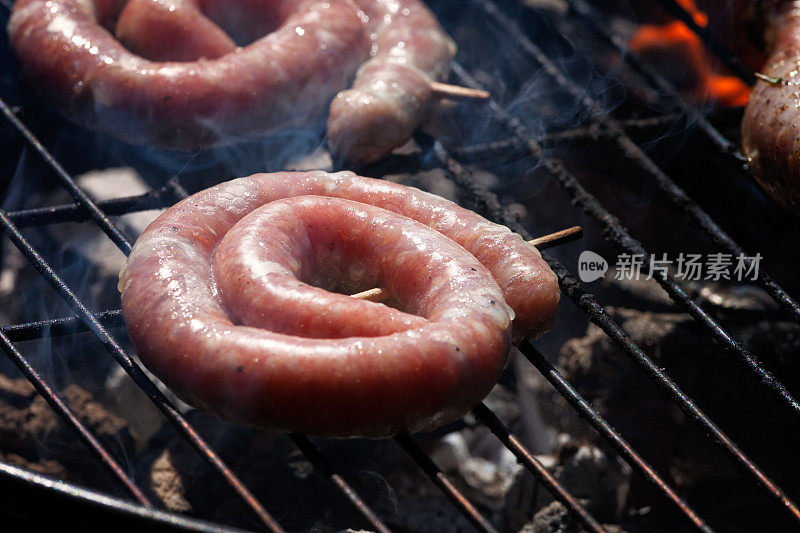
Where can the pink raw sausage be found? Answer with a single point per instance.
(225, 299)
(181, 81)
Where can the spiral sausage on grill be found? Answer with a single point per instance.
(224, 298)
(170, 72)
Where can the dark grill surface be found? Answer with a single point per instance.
(576, 125)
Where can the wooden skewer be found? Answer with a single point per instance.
(546, 241)
(373, 295)
(559, 237)
(457, 91)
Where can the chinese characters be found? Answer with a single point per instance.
(691, 267)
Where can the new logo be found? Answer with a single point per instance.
(591, 266)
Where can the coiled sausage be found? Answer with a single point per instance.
(181, 81)
(224, 298)
(771, 123)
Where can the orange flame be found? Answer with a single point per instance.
(677, 43)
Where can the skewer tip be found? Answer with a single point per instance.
(457, 91)
(559, 237)
(373, 295)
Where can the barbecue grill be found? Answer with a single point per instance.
(559, 106)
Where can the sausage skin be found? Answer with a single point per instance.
(771, 123)
(170, 72)
(224, 296)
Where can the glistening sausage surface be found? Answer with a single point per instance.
(181, 81)
(771, 123)
(224, 298)
(391, 95)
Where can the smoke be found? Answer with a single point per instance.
(504, 64)
(88, 260)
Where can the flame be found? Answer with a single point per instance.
(675, 42)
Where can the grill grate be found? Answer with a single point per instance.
(569, 283)
(615, 232)
(521, 139)
(619, 236)
(129, 365)
(174, 416)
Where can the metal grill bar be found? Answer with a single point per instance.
(613, 229)
(157, 397)
(55, 327)
(445, 485)
(62, 409)
(597, 314)
(320, 463)
(512, 146)
(40, 216)
(730, 60)
(80, 197)
(632, 151)
(492, 207)
(93, 325)
(139, 377)
(608, 432)
(31, 490)
(595, 21)
(89, 320)
(59, 326)
(512, 442)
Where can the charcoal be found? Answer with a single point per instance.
(648, 419)
(34, 436)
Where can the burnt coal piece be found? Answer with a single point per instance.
(33, 436)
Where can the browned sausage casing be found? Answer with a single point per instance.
(771, 123)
